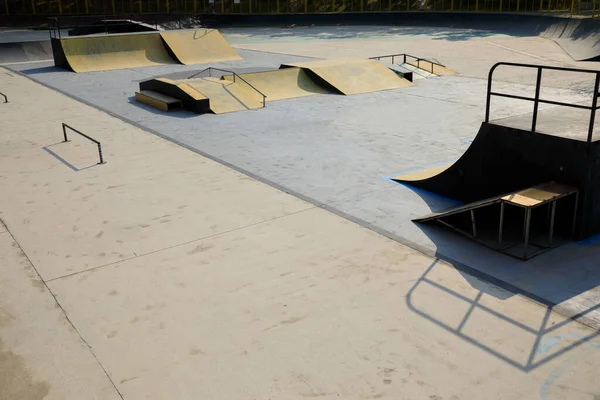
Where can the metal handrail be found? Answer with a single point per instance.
(209, 69)
(536, 99)
(404, 55)
(5, 98)
(64, 128)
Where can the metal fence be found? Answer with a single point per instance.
(116, 7)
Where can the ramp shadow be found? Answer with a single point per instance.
(566, 275)
(42, 70)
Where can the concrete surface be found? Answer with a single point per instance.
(189, 280)
(294, 303)
(337, 152)
(41, 355)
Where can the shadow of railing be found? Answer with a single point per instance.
(547, 335)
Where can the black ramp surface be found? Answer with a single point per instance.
(503, 159)
(25, 51)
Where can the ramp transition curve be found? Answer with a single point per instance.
(502, 160)
(134, 50)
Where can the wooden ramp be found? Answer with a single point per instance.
(354, 75)
(199, 46)
(108, 52)
(226, 96)
(477, 219)
(286, 83)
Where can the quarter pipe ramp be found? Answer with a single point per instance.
(108, 52)
(199, 46)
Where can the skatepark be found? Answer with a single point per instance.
(232, 245)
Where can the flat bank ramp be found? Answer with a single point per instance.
(108, 52)
(226, 96)
(354, 75)
(199, 46)
(286, 83)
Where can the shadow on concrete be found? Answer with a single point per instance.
(365, 33)
(65, 162)
(41, 70)
(546, 337)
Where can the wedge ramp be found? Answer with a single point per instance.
(286, 83)
(353, 75)
(199, 46)
(227, 96)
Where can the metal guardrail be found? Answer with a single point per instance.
(537, 100)
(5, 98)
(64, 128)
(405, 57)
(209, 69)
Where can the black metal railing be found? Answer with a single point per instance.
(406, 58)
(537, 100)
(210, 69)
(64, 128)
(5, 98)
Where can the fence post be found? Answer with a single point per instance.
(100, 153)
(538, 83)
(594, 105)
(64, 132)
(572, 6)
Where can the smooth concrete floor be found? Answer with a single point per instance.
(173, 276)
(339, 151)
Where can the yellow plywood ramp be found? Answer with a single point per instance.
(108, 52)
(354, 75)
(281, 84)
(226, 96)
(199, 46)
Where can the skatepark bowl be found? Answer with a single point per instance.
(403, 208)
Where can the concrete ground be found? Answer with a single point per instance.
(170, 273)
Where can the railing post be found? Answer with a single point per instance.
(538, 83)
(594, 106)
(65, 132)
(489, 94)
(100, 154)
